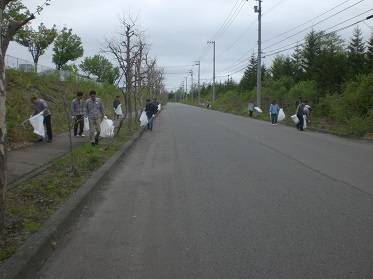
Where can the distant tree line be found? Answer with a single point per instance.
(336, 77)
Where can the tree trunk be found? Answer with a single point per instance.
(3, 143)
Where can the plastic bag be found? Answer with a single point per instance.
(304, 122)
(159, 107)
(143, 119)
(107, 128)
(281, 115)
(118, 110)
(295, 118)
(258, 109)
(86, 124)
(37, 123)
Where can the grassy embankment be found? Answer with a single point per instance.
(30, 204)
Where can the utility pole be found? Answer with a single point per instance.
(191, 85)
(199, 89)
(213, 75)
(182, 92)
(186, 88)
(259, 73)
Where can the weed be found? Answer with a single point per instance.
(7, 252)
(31, 226)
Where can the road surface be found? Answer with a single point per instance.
(213, 195)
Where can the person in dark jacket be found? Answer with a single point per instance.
(41, 106)
(150, 111)
(116, 103)
(77, 112)
(300, 113)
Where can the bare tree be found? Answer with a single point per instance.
(139, 75)
(8, 28)
(125, 49)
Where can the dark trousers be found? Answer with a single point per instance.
(79, 121)
(47, 122)
(301, 122)
(274, 118)
(150, 122)
(250, 113)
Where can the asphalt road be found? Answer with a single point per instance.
(213, 195)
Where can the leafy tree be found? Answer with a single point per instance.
(112, 76)
(101, 67)
(88, 65)
(67, 47)
(356, 54)
(36, 41)
(13, 16)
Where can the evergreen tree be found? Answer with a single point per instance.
(369, 55)
(248, 81)
(333, 64)
(296, 60)
(310, 55)
(281, 66)
(356, 54)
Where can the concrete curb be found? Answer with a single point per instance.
(35, 251)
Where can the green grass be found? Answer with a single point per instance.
(7, 252)
(29, 205)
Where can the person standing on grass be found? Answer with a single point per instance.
(93, 109)
(77, 113)
(42, 106)
(274, 109)
(150, 111)
(251, 109)
(116, 103)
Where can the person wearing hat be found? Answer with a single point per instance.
(94, 109)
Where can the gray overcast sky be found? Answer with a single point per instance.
(178, 30)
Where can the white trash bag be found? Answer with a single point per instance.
(143, 119)
(86, 124)
(159, 107)
(258, 109)
(281, 115)
(37, 123)
(304, 122)
(295, 118)
(118, 110)
(107, 128)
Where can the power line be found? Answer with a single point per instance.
(305, 22)
(279, 50)
(221, 27)
(222, 31)
(228, 21)
(312, 25)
